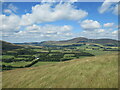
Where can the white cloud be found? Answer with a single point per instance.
(9, 25)
(12, 7)
(90, 25)
(101, 30)
(92, 29)
(100, 33)
(116, 32)
(45, 13)
(41, 33)
(47, 29)
(105, 6)
(108, 25)
(109, 5)
(116, 9)
(7, 11)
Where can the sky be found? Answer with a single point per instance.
(43, 21)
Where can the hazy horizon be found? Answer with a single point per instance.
(60, 40)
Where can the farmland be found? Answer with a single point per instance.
(30, 56)
(84, 65)
(59, 44)
(89, 72)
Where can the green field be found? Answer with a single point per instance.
(23, 56)
(39, 50)
(22, 63)
(90, 72)
(7, 56)
(99, 52)
(44, 63)
(75, 64)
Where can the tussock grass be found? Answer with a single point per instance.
(90, 72)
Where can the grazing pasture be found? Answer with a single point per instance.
(90, 72)
(81, 65)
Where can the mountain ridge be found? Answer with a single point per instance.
(75, 40)
(70, 41)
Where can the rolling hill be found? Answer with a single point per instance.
(75, 40)
(89, 72)
(9, 46)
(82, 40)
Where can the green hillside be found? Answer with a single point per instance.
(78, 40)
(9, 46)
(90, 72)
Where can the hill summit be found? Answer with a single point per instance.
(82, 40)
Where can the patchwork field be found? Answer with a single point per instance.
(28, 56)
(74, 65)
(90, 72)
(59, 44)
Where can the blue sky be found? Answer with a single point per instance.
(35, 21)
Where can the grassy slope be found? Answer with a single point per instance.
(9, 46)
(98, 52)
(44, 63)
(89, 72)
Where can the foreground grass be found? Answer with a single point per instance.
(89, 72)
(44, 63)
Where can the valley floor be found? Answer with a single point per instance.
(90, 72)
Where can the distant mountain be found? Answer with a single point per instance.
(75, 40)
(29, 43)
(104, 41)
(82, 40)
(8, 46)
